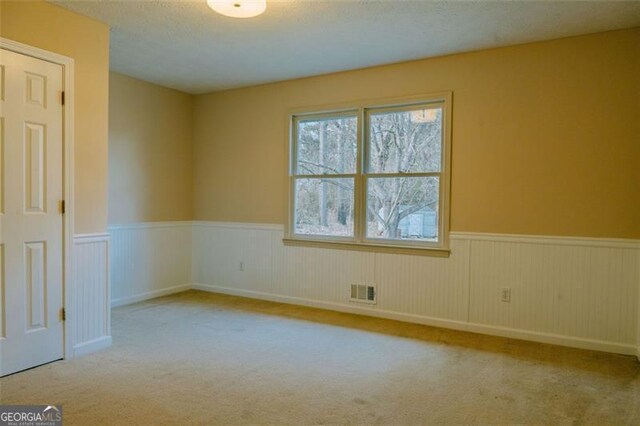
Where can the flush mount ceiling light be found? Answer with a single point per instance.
(238, 8)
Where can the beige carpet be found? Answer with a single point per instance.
(199, 358)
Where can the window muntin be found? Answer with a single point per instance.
(396, 195)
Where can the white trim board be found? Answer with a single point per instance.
(68, 65)
(477, 236)
(547, 239)
(123, 301)
(148, 225)
(532, 336)
(92, 346)
(239, 225)
(91, 238)
(554, 339)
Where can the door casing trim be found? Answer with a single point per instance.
(68, 79)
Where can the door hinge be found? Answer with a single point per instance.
(62, 207)
(62, 98)
(63, 314)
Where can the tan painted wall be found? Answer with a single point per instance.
(545, 136)
(150, 152)
(52, 28)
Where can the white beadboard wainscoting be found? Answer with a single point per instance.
(91, 313)
(580, 292)
(149, 260)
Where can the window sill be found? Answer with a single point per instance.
(368, 247)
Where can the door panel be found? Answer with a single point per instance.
(35, 272)
(31, 327)
(34, 167)
(2, 300)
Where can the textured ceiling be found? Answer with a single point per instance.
(187, 46)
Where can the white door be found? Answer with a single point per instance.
(31, 323)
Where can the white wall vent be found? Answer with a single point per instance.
(363, 293)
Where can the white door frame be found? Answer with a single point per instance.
(67, 174)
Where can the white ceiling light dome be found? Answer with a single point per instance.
(238, 8)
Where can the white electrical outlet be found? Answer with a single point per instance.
(505, 294)
(241, 266)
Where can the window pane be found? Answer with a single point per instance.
(324, 206)
(327, 146)
(403, 208)
(405, 141)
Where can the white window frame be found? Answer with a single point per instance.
(360, 241)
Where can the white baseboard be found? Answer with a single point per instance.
(149, 295)
(554, 339)
(92, 346)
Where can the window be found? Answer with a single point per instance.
(374, 175)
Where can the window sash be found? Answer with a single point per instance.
(399, 241)
(325, 116)
(362, 113)
(366, 149)
(353, 238)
